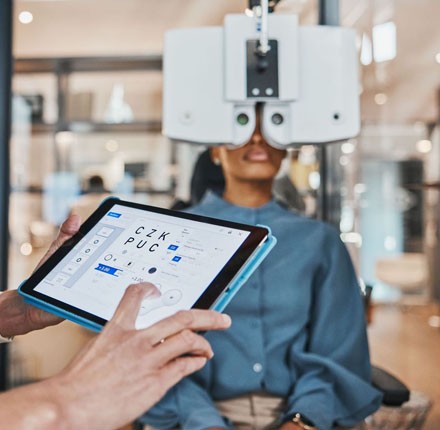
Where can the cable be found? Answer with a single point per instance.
(263, 47)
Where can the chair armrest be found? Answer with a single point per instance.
(394, 391)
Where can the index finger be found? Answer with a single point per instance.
(194, 319)
(127, 311)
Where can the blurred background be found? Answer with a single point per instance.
(87, 100)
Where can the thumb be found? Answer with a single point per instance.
(67, 230)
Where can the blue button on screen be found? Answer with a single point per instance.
(176, 258)
(114, 214)
(173, 247)
(107, 269)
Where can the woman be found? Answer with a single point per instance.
(297, 353)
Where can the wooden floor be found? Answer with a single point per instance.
(402, 342)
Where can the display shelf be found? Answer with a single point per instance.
(63, 67)
(87, 64)
(138, 189)
(99, 127)
(89, 115)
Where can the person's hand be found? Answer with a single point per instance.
(18, 317)
(124, 371)
(120, 374)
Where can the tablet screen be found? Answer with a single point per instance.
(129, 245)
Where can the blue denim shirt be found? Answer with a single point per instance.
(298, 331)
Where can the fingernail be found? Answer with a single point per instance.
(226, 319)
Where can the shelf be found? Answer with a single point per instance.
(62, 69)
(103, 127)
(32, 189)
(99, 127)
(41, 127)
(87, 64)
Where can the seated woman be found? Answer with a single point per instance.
(297, 353)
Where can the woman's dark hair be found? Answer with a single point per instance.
(206, 176)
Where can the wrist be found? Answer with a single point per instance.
(12, 314)
(33, 406)
(18, 317)
(65, 402)
(301, 421)
(49, 414)
(77, 404)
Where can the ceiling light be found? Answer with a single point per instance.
(112, 145)
(343, 160)
(380, 99)
(366, 50)
(25, 17)
(384, 42)
(352, 237)
(64, 138)
(360, 188)
(348, 148)
(419, 127)
(307, 155)
(314, 180)
(437, 57)
(390, 243)
(26, 249)
(424, 146)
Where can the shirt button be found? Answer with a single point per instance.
(257, 367)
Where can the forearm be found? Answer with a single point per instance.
(34, 406)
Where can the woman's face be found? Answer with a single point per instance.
(255, 161)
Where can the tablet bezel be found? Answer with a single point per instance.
(256, 237)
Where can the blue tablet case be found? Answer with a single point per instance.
(246, 271)
(239, 280)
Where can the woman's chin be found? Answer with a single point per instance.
(258, 173)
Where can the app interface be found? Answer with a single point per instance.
(181, 257)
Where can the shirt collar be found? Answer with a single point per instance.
(216, 201)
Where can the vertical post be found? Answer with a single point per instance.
(61, 125)
(328, 15)
(5, 130)
(329, 12)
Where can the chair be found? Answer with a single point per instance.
(401, 409)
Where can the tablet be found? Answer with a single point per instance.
(195, 261)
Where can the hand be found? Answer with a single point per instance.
(123, 371)
(119, 375)
(18, 317)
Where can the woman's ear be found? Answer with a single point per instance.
(215, 155)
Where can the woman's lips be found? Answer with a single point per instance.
(256, 154)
